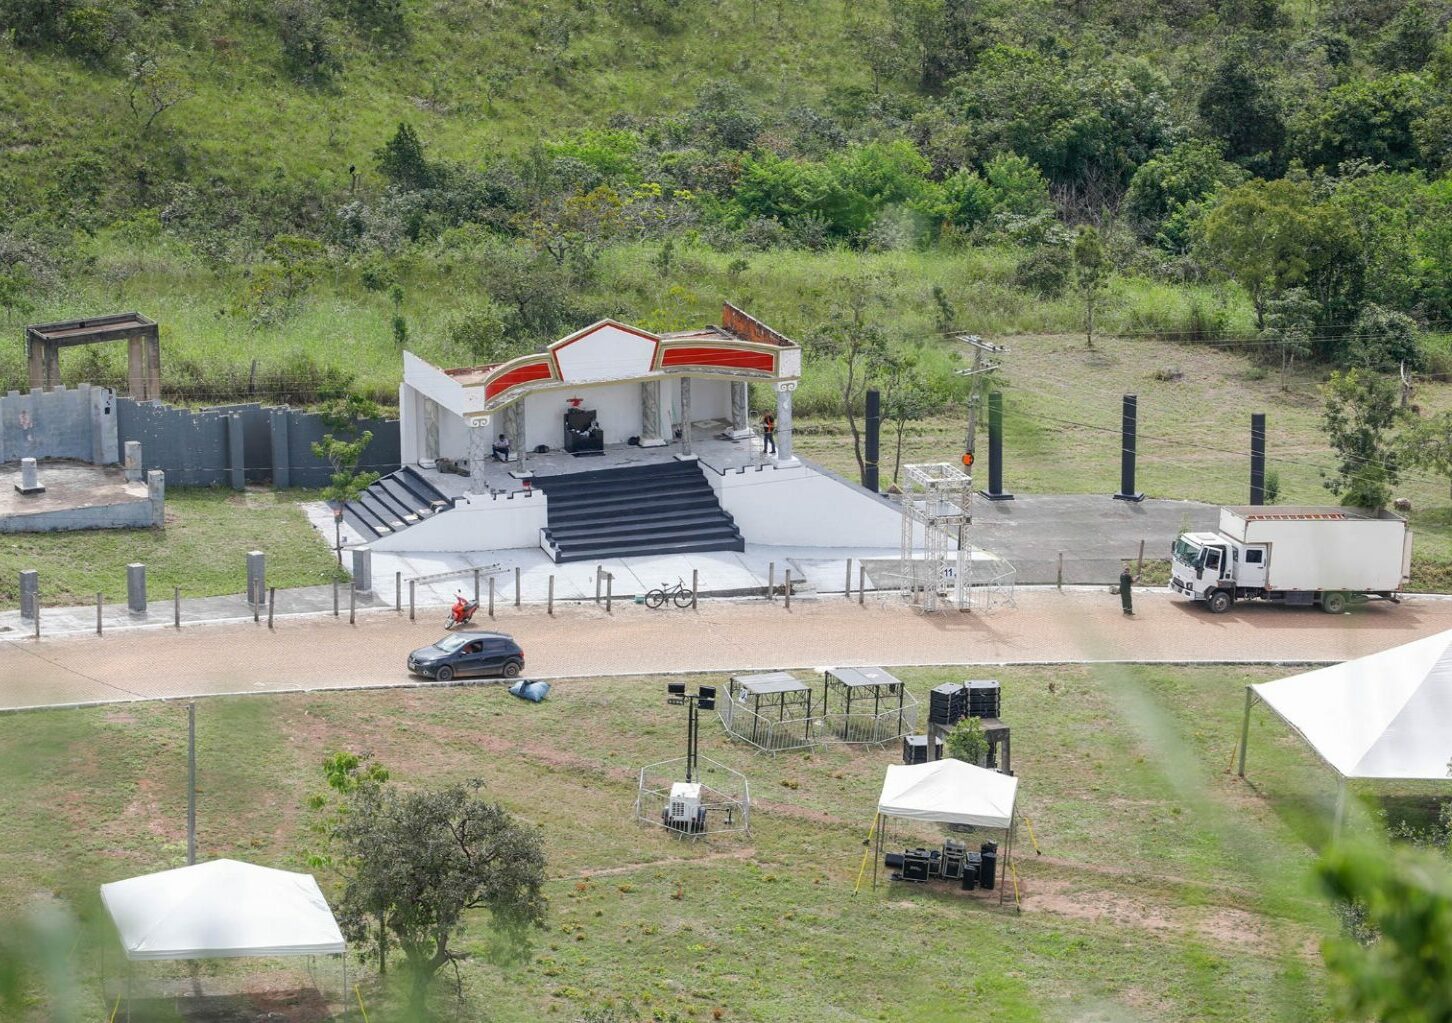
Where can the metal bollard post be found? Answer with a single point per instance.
(176, 605)
(335, 598)
(352, 606)
(36, 608)
(787, 589)
(98, 614)
(598, 570)
(847, 584)
(1060, 583)
(1139, 569)
(861, 584)
(272, 603)
(609, 585)
(695, 586)
(550, 606)
(398, 592)
(771, 580)
(412, 586)
(476, 585)
(491, 596)
(516, 585)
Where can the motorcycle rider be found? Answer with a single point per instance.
(461, 609)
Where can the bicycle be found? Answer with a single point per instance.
(682, 596)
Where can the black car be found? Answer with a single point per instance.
(468, 653)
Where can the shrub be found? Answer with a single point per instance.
(309, 48)
(1044, 271)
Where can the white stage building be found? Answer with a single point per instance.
(614, 442)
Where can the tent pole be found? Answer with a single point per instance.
(1245, 727)
(1008, 858)
(1340, 810)
(344, 957)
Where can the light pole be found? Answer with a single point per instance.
(703, 698)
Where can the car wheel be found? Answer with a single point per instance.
(444, 674)
(1218, 602)
(1333, 603)
(512, 669)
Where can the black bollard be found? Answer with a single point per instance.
(995, 449)
(1126, 451)
(1257, 458)
(874, 432)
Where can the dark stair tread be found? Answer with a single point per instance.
(623, 472)
(649, 549)
(723, 531)
(705, 519)
(410, 477)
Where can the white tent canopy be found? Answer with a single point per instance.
(948, 792)
(1388, 715)
(221, 910)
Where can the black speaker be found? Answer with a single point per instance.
(914, 867)
(970, 877)
(892, 861)
(988, 872)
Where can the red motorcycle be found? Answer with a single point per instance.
(461, 614)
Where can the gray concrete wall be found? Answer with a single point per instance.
(136, 514)
(190, 447)
(78, 422)
(308, 470)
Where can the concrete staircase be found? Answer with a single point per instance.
(661, 508)
(393, 503)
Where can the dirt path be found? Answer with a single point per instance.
(321, 653)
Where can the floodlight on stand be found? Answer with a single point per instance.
(676, 688)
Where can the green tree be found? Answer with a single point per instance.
(1242, 107)
(857, 346)
(1091, 276)
(1168, 191)
(310, 51)
(966, 742)
(1369, 120)
(343, 448)
(1290, 323)
(422, 860)
(1361, 408)
(1384, 340)
(401, 160)
(1427, 444)
(1403, 898)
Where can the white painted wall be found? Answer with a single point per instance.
(799, 507)
(428, 379)
(617, 406)
(608, 353)
(478, 522)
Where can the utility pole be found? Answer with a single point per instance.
(981, 368)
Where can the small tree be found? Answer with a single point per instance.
(1361, 408)
(152, 88)
(1091, 276)
(421, 860)
(858, 346)
(905, 399)
(402, 160)
(966, 742)
(1427, 444)
(1290, 320)
(343, 448)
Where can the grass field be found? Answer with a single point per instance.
(1166, 890)
(202, 549)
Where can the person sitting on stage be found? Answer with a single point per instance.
(501, 449)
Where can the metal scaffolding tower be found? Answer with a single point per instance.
(939, 569)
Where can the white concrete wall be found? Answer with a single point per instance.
(617, 406)
(799, 507)
(478, 522)
(605, 353)
(428, 379)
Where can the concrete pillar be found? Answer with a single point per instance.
(135, 369)
(29, 590)
(256, 577)
(363, 569)
(133, 461)
(481, 449)
(29, 478)
(35, 352)
(236, 457)
(152, 347)
(649, 410)
(281, 462)
(1129, 430)
(784, 391)
(685, 415)
(740, 426)
(873, 447)
(518, 437)
(156, 493)
(52, 367)
(1257, 458)
(431, 431)
(136, 587)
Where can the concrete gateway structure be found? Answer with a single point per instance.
(614, 442)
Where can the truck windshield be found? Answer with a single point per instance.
(1185, 552)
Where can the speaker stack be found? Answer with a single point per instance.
(948, 703)
(982, 698)
(988, 872)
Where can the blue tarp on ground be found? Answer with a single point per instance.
(534, 692)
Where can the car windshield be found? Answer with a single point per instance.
(451, 643)
(1186, 553)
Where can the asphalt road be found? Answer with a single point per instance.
(1047, 625)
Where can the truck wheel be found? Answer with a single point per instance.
(1333, 603)
(1218, 601)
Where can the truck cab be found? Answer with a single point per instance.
(1216, 568)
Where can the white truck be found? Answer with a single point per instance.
(1297, 555)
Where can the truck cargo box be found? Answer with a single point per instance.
(1312, 548)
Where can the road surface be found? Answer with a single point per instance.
(309, 653)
